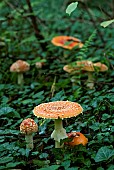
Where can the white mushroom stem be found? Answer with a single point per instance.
(58, 133)
(29, 141)
(90, 81)
(20, 78)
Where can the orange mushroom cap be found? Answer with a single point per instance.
(58, 109)
(28, 126)
(20, 66)
(68, 68)
(100, 66)
(77, 139)
(85, 65)
(67, 42)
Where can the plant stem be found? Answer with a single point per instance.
(58, 133)
(90, 81)
(37, 31)
(29, 141)
(20, 78)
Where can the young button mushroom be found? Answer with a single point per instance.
(28, 127)
(58, 110)
(67, 42)
(20, 67)
(77, 139)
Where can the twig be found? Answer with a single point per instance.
(93, 21)
(34, 22)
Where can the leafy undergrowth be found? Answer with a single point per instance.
(52, 83)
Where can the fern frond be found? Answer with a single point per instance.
(83, 51)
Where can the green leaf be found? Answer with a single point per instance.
(103, 154)
(6, 110)
(5, 160)
(66, 164)
(30, 39)
(52, 167)
(105, 116)
(111, 167)
(107, 23)
(70, 8)
(43, 155)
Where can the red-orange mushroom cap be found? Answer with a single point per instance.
(67, 42)
(28, 126)
(77, 139)
(20, 66)
(58, 109)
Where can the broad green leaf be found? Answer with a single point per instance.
(107, 23)
(5, 160)
(52, 167)
(111, 167)
(43, 155)
(13, 164)
(6, 110)
(72, 168)
(103, 154)
(70, 8)
(2, 18)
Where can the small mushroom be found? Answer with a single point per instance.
(77, 139)
(67, 42)
(58, 110)
(87, 66)
(20, 67)
(28, 127)
(39, 64)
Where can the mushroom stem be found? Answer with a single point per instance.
(90, 81)
(29, 141)
(20, 78)
(58, 133)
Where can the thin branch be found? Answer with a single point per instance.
(34, 22)
(93, 20)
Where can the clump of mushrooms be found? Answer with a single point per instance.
(77, 139)
(89, 67)
(58, 110)
(28, 127)
(20, 67)
(67, 42)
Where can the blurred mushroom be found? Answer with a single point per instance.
(89, 67)
(101, 67)
(28, 127)
(20, 67)
(77, 139)
(39, 64)
(67, 42)
(58, 110)
(68, 68)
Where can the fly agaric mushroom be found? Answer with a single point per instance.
(87, 66)
(28, 127)
(20, 67)
(67, 42)
(77, 139)
(58, 110)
